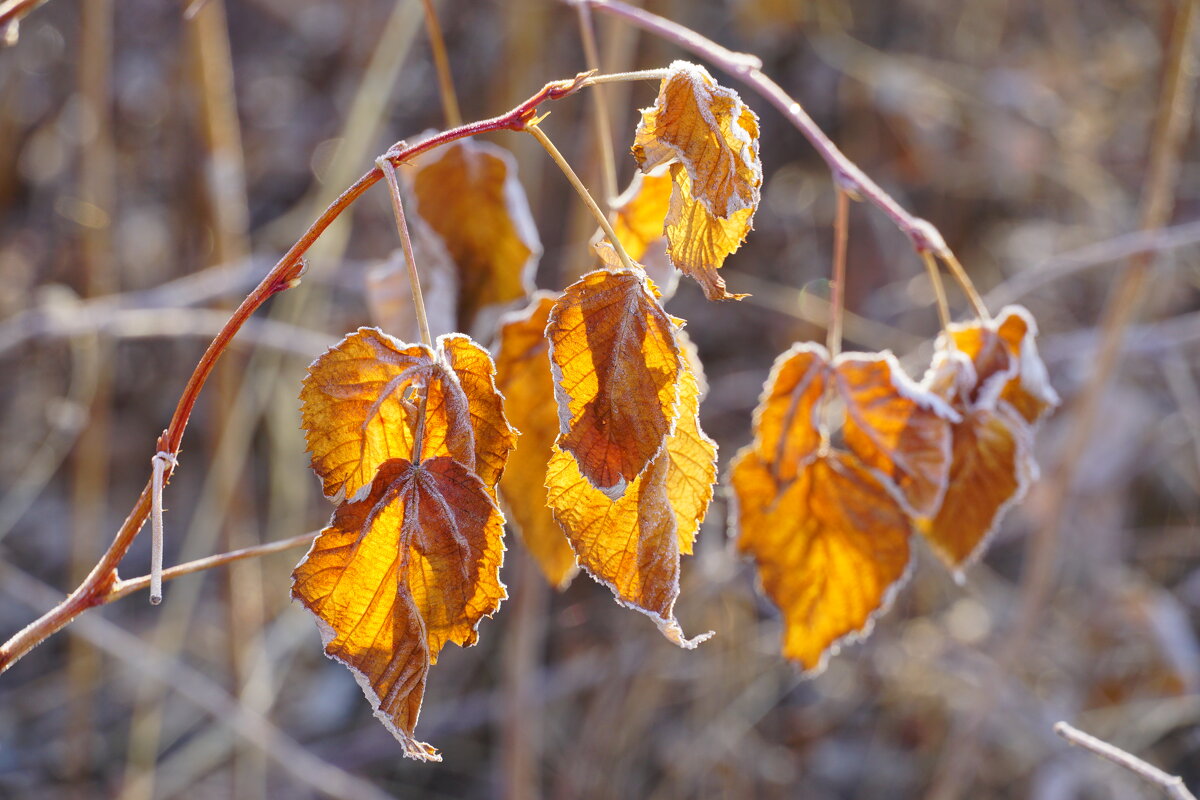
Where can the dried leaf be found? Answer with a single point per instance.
(469, 194)
(786, 422)
(492, 435)
(358, 408)
(831, 548)
(699, 242)
(616, 368)
(1006, 362)
(710, 138)
(632, 543)
(896, 427)
(399, 573)
(990, 470)
(710, 131)
(523, 375)
(640, 213)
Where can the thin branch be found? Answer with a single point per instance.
(445, 77)
(603, 125)
(161, 462)
(1172, 784)
(285, 275)
(837, 294)
(584, 195)
(124, 588)
(414, 278)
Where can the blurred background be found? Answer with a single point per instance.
(153, 168)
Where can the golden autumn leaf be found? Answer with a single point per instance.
(469, 194)
(710, 139)
(990, 470)
(523, 376)
(632, 543)
(891, 423)
(992, 461)
(412, 565)
(896, 427)
(616, 367)
(639, 213)
(831, 546)
(787, 425)
(358, 408)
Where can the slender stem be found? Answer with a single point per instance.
(414, 279)
(284, 275)
(587, 32)
(939, 290)
(160, 463)
(964, 280)
(584, 195)
(124, 588)
(445, 78)
(1173, 784)
(747, 68)
(626, 77)
(837, 298)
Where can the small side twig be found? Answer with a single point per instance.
(1172, 784)
(414, 278)
(837, 294)
(160, 463)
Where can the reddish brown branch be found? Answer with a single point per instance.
(100, 582)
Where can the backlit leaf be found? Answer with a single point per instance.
(831, 546)
(896, 427)
(616, 367)
(358, 408)
(990, 471)
(640, 212)
(523, 375)
(410, 566)
(710, 138)
(633, 543)
(469, 194)
(786, 422)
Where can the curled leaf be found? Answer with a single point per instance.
(710, 139)
(409, 567)
(831, 548)
(523, 375)
(616, 368)
(469, 194)
(632, 543)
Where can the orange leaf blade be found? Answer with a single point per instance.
(523, 375)
(633, 543)
(616, 368)
(469, 194)
(990, 472)
(895, 426)
(832, 548)
(710, 138)
(397, 574)
(356, 410)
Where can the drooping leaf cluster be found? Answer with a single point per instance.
(418, 446)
